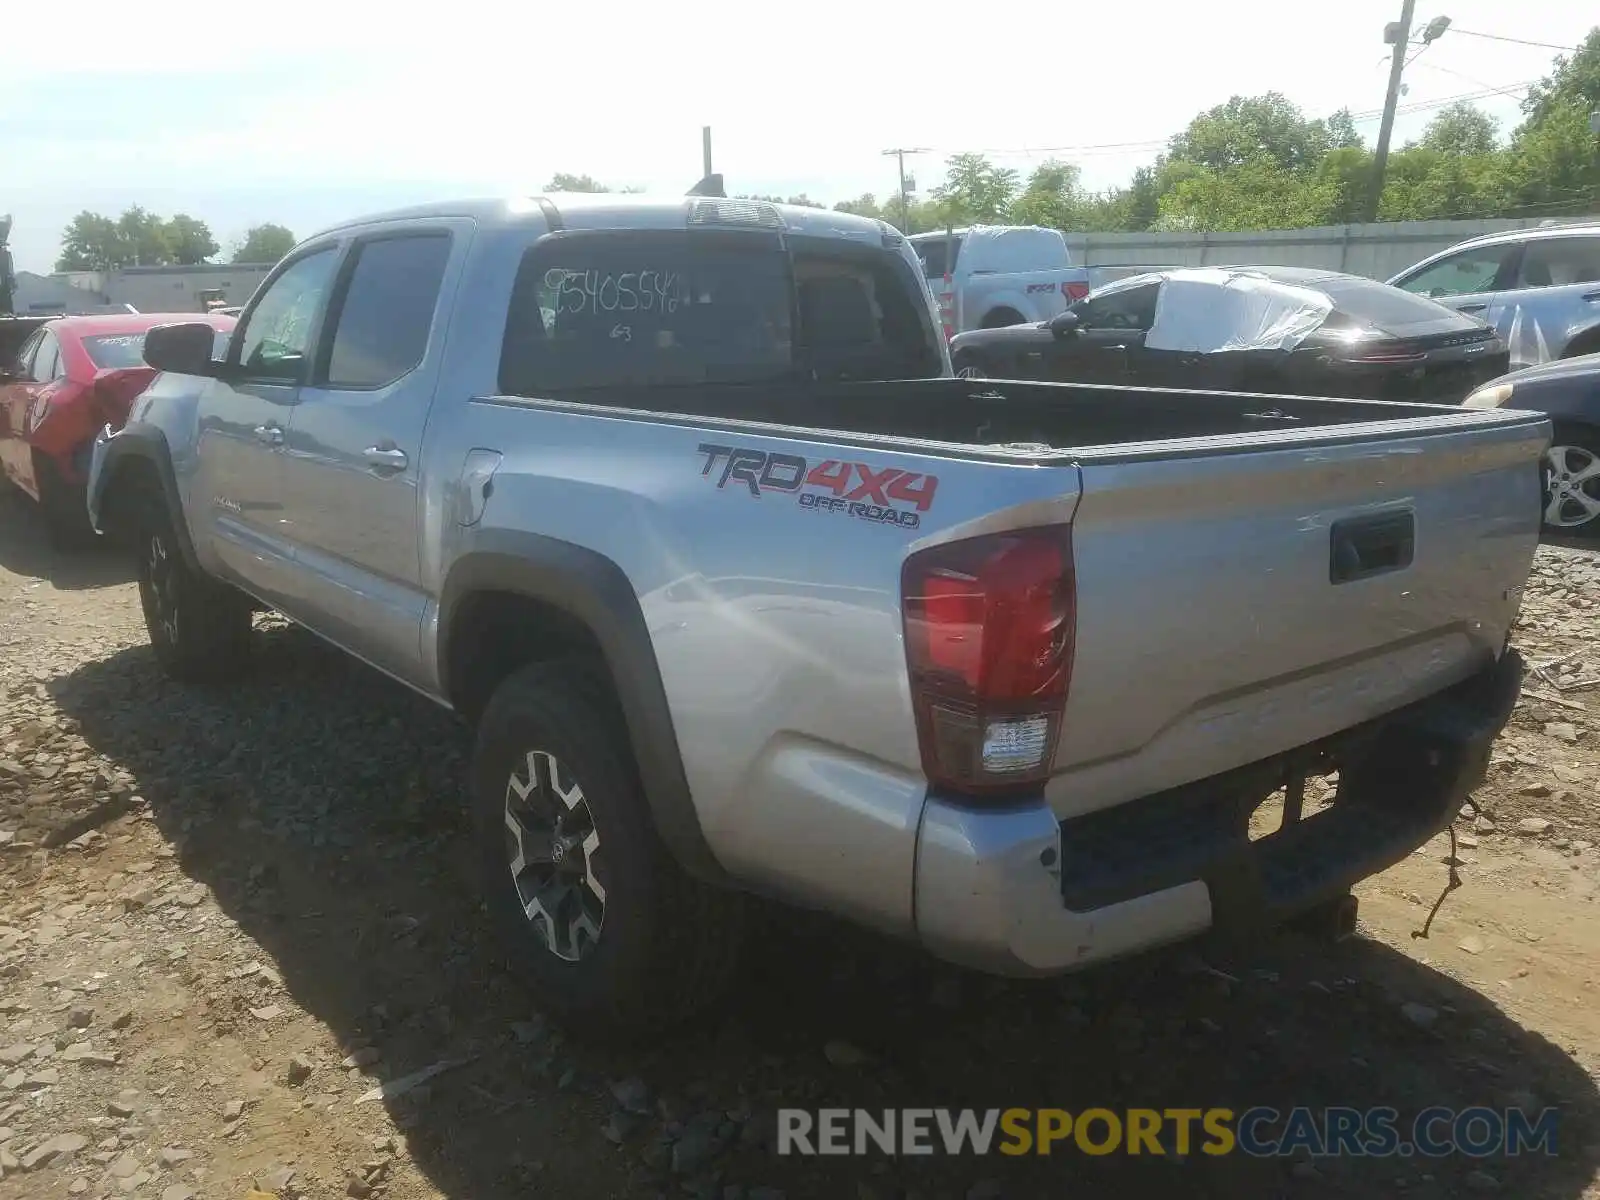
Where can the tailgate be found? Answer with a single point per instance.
(1240, 597)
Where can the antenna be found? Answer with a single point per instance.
(711, 185)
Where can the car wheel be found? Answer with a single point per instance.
(1572, 482)
(594, 915)
(199, 629)
(967, 366)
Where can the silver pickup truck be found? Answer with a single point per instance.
(677, 501)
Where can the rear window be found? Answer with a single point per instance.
(114, 351)
(938, 256)
(1387, 308)
(663, 309)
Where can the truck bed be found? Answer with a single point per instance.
(1041, 419)
(1254, 573)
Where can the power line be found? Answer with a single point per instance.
(1495, 37)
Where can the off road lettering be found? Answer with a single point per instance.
(882, 495)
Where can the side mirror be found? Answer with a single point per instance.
(183, 349)
(1064, 323)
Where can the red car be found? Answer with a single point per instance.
(73, 376)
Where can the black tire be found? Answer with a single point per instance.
(1573, 449)
(967, 365)
(199, 628)
(1002, 318)
(666, 944)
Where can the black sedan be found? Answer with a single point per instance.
(1568, 392)
(1249, 329)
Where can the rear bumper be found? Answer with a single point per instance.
(1018, 892)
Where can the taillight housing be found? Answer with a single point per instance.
(1074, 291)
(990, 624)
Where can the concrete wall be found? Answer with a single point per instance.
(1380, 251)
(178, 289)
(37, 295)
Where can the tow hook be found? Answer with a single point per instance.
(1332, 920)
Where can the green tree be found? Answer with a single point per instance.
(1463, 131)
(864, 205)
(1250, 128)
(800, 201)
(91, 242)
(145, 238)
(1554, 156)
(1260, 194)
(190, 239)
(1341, 131)
(975, 190)
(263, 244)
(1574, 79)
(561, 181)
(1053, 197)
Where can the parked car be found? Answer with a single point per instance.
(71, 377)
(1568, 392)
(1248, 329)
(745, 594)
(990, 276)
(1539, 288)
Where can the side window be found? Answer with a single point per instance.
(384, 317)
(1557, 262)
(46, 360)
(1460, 274)
(277, 336)
(1129, 308)
(24, 364)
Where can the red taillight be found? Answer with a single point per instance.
(1074, 291)
(1388, 352)
(947, 312)
(989, 625)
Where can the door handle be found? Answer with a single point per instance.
(272, 435)
(385, 459)
(1472, 308)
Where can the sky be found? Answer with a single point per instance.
(309, 113)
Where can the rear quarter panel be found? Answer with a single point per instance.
(774, 611)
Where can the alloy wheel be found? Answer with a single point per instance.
(1572, 486)
(163, 587)
(553, 849)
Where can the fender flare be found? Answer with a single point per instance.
(147, 444)
(596, 592)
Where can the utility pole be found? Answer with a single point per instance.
(1399, 34)
(899, 154)
(705, 149)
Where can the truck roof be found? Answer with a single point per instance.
(602, 210)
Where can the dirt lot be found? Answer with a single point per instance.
(226, 916)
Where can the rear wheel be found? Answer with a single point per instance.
(595, 915)
(967, 366)
(199, 628)
(1572, 482)
(1002, 318)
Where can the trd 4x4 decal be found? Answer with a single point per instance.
(887, 496)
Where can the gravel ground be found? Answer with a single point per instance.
(226, 917)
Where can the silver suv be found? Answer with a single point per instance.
(1540, 288)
